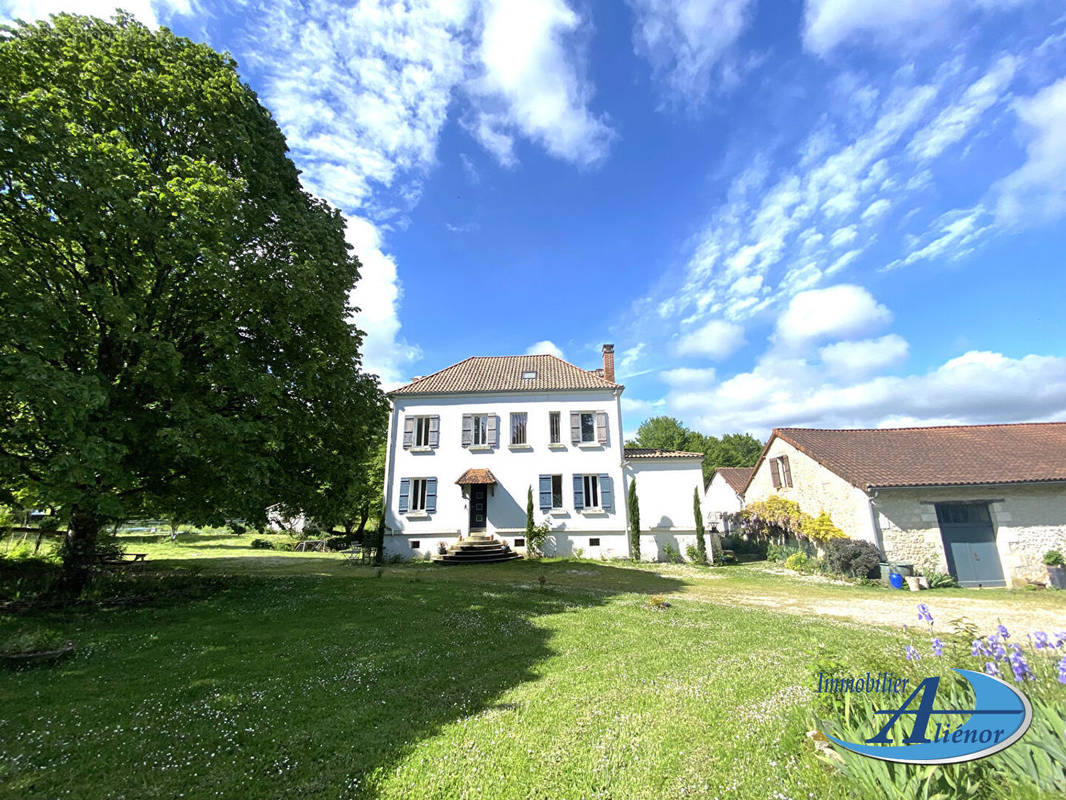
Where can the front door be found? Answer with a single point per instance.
(970, 543)
(478, 504)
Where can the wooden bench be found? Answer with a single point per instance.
(124, 561)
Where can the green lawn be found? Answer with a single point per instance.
(301, 675)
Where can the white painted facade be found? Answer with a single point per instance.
(665, 489)
(517, 469)
(719, 500)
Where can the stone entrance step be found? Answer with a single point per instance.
(477, 550)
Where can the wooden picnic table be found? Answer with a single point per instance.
(124, 560)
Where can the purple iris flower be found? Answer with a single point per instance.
(938, 647)
(1062, 670)
(1040, 641)
(1004, 632)
(923, 613)
(991, 668)
(978, 648)
(912, 654)
(1019, 666)
(1060, 639)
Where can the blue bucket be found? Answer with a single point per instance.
(896, 580)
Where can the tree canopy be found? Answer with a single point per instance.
(731, 450)
(175, 333)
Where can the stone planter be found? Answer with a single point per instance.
(1056, 577)
(888, 567)
(914, 583)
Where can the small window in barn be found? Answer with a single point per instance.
(594, 541)
(415, 544)
(519, 542)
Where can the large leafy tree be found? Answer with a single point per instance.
(175, 336)
(667, 433)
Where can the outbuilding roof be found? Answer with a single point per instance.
(957, 455)
(736, 477)
(651, 452)
(507, 374)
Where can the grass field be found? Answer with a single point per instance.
(224, 672)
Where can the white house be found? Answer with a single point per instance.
(466, 445)
(724, 495)
(983, 502)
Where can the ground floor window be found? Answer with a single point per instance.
(592, 491)
(594, 541)
(418, 494)
(415, 544)
(557, 491)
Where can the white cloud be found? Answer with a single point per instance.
(829, 23)
(1036, 192)
(688, 377)
(843, 236)
(715, 339)
(953, 235)
(864, 356)
(876, 210)
(377, 294)
(148, 12)
(835, 312)
(976, 387)
(684, 40)
(545, 347)
(955, 121)
(530, 83)
(628, 362)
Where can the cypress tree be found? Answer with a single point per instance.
(701, 544)
(634, 521)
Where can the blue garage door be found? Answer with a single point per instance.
(970, 543)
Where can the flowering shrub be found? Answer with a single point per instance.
(796, 561)
(779, 518)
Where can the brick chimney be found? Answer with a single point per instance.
(608, 362)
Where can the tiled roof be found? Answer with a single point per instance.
(476, 476)
(944, 456)
(736, 477)
(504, 374)
(651, 452)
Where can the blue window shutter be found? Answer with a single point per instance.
(405, 490)
(468, 429)
(579, 492)
(575, 427)
(606, 493)
(431, 494)
(545, 492)
(408, 431)
(494, 430)
(434, 431)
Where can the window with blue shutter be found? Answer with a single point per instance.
(405, 491)
(545, 492)
(408, 432)
(494, 430)
(468, 429)
(434, 431)
(431, 494)
(606, 492)
(575, 427)
(579, 492)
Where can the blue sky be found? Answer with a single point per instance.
(781, 213)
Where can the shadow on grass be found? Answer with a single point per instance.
(267, 686)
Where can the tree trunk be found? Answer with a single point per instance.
(364, 515)
(79, 551)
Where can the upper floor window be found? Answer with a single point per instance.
(555, 433)
(518, 427)
(481, 429)
(588, 427)
(421, 431)
(780, 472)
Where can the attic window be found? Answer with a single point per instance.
(529, 375)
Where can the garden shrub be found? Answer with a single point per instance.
(339, 542)
(671, 555)
(692, 553)
(262, 544)
(940, 580)
(797, 562)
(853, 557)
(780, 552)
(743, 544)
(1054, 558)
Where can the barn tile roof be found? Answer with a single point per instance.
(651, 452)
(959, 455)
(472, 476)
(736, 477)
(504, 374)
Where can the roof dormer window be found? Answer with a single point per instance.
(529, 375)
